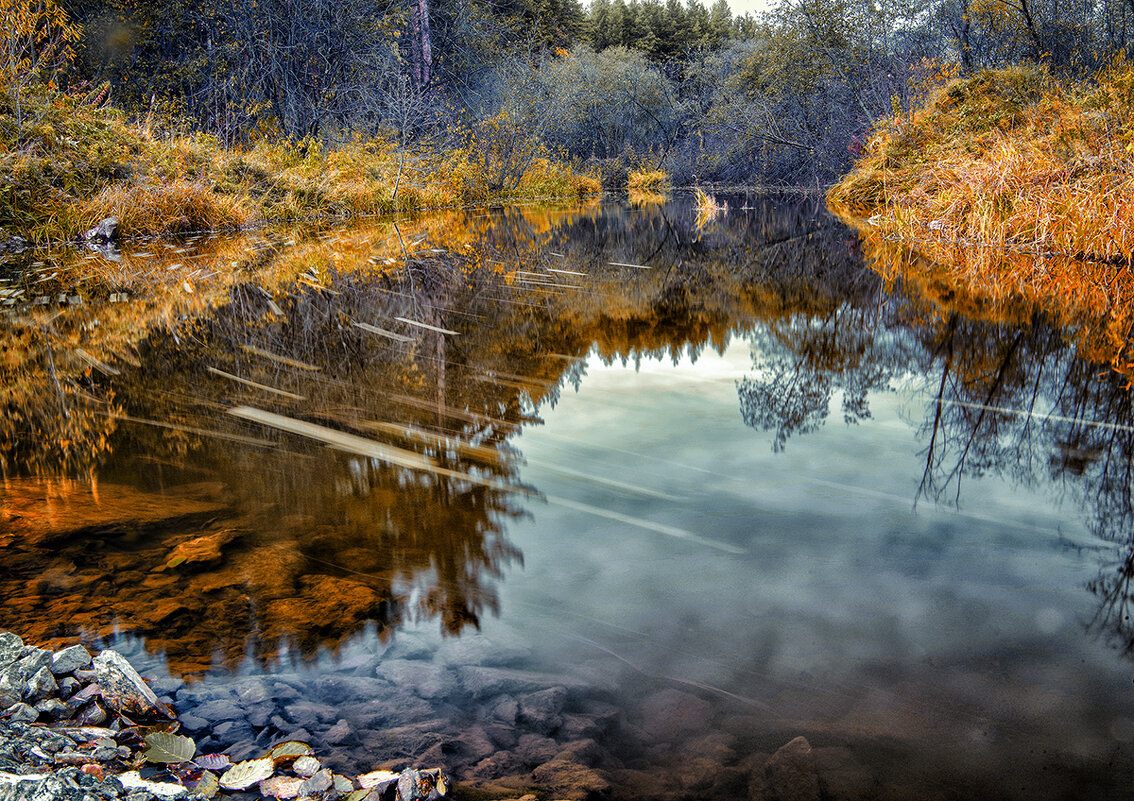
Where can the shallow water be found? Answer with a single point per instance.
(718, 483)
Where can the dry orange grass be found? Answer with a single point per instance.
(80, 162)
(1014, 185)
(648, 180)
(165, 208)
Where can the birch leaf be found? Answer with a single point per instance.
(168, 748)
(243, 775)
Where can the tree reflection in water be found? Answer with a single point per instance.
(168, 517)
(1009, 394)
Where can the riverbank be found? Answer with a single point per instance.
(1012, 184)
(67, 162)
(76, 728)
(94, 736)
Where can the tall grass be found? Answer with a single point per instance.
(1013, 184)
(65, 163)
(646, 180)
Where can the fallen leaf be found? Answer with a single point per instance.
(280, 787)
(165, 747)
(213, 761)
(368, 780)
(207, 786)
(286, 753)
(243, 775)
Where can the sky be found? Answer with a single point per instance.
(754, 7)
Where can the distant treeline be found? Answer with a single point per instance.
(789, 97)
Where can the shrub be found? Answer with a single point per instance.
(648, 180)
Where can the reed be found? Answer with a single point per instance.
(708, 207)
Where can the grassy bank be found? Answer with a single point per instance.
(1012, 184)
(66, 162)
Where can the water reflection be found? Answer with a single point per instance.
(135, 501)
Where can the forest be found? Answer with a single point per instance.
(789, 97)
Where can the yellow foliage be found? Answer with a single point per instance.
(35, 40)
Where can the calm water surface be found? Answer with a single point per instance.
(717, 482)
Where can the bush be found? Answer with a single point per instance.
(646, 180)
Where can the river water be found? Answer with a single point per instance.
(635, 495)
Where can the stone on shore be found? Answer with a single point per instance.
(124, 689)
(103, 232)
(70, 659)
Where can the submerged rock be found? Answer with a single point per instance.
(670, 713)
(791, 772)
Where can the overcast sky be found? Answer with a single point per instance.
(742, 7)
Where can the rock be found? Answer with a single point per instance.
(414, 785)
(337, 734)
(791, 772)
(308, 714)
(717, 746)
(539, 711)
(11, 647)
(497, 650)
(474, 744)
(670, 713)
(337, 690)
(93, 714)
(585, 752)
(506, 711)
(579, 727)
(231, 732)
(502, 763)
(503, 736)
(68, 686)
(259, 714)
(32, 661)
(319, 783)
(103, 232)
(424, 679)
(535, 749)
(571, 781)
(124, 689)
(192, 722)
(41, 685)
(407, 645)
(485, 682)
(841, 775)
(70, 659)
(252, 691)
(219, 711)
(54, 709)
(21, 712)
